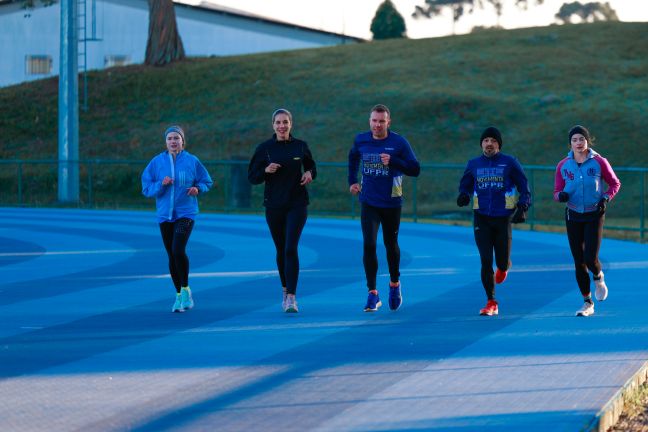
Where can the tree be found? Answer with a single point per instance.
(164, 44)
(592, 11)
(31, 4)
(432, 8)
(387, 23)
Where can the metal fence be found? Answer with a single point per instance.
(430, 197)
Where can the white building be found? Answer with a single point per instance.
(116, 32)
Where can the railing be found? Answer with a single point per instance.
(431, 196)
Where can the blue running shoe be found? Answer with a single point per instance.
(395, 297)
(373, 302)
(177, 306)
(187, 299)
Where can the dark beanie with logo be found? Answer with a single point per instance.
(578, 129)
(492, 132)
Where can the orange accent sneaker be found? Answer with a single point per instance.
(500, 276)
(490, 309)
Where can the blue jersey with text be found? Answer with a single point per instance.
(496, 184)
(381, 185)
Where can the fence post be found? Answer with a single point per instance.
(20, 171)
(414, 206)
(642, 206)
(532, 187)
(90, 172)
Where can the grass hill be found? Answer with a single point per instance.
(532, 83)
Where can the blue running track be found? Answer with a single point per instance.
(88, 341)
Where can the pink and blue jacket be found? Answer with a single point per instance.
(583, 182)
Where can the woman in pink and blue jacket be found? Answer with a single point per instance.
(579, 183)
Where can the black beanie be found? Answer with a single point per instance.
(578, 129)
(492, 132)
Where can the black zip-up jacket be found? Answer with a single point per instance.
(282, 189)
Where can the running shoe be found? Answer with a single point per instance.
(601, 292)
(395, 297)
(490, 309)
(586, 310)
(500, 276)
(187, 299)
(373, 302)
(291, 304)
(177, 306)
(283, 302)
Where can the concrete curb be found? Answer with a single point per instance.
(610, 413)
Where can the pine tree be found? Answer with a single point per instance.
(387, 23)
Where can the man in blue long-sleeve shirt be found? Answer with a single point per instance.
(501, 196)
(383, 157)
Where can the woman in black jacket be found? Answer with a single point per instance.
(286, 166)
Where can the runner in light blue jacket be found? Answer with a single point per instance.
(175, 178)
(580, 183)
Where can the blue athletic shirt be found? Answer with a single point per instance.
(381, 185)
(496, 184)
(172, 201)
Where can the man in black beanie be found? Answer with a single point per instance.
(501, 196)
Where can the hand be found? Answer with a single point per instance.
(355, 188)
(272, 168)
(463, 199)
(306, 178)
(384, 158)
(519, 215)
(563, 196)
(193, 191)
(167, 181)
(602, 205)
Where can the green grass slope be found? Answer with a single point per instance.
(532, 83)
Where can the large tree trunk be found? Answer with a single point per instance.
(164, 44)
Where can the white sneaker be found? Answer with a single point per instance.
(586, 310)
(291, 304)
(601, 292)
(177, 306)
(283, 302)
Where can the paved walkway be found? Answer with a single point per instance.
(88, 342)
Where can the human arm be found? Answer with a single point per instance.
(203, 182)
(466, 187)
(151, 186)
(310, 168)
(521, 184)
(405, 162)
(559, 193)
(258, 164)
(353, 165)
(610, 178)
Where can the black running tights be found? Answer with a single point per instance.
(175, 236)
(370, 219)
(585, 241)
(286, 226)
(492, 234)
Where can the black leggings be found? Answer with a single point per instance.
(492, 234)
(286, 226)
(175, 236)
(370, 220)
(585, 241)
